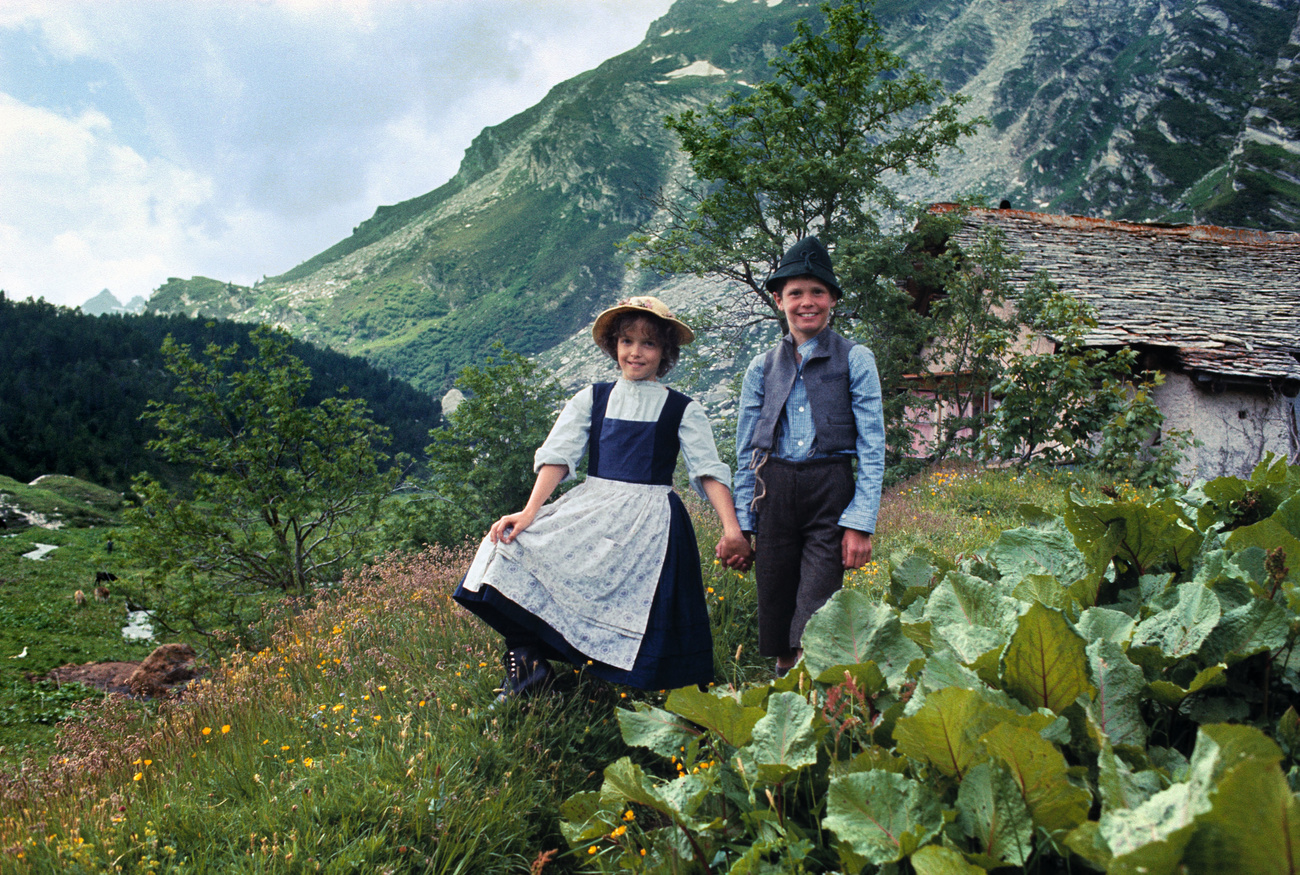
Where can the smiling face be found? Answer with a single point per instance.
(639, 351)
(806, 303)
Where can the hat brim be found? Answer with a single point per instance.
(684, 334)
(793, 270)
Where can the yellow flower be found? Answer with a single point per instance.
(591, 850)
(138, 776)
(382, 687)
(207, 730)
(629, 815)
(284, 747)
(618, 832)
(307, 761)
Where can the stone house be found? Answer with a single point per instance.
(1217, 310)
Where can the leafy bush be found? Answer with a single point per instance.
(1095, 689)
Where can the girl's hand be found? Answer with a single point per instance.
(735, 552)
(509, 526)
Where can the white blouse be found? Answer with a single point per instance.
(635, 401)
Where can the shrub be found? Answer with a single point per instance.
(1093, 690)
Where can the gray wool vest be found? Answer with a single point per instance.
(826, 379)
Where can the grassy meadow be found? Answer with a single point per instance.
(360, 739)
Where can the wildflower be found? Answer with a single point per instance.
(138, 776)
(629, 815)
(618, 831)
(207, 730)
(383, 687)
(591, 850)
(307, 761)
(284, 747)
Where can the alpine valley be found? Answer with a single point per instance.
(1155, 110)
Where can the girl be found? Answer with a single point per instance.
(609, 575)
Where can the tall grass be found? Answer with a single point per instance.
(361, 740)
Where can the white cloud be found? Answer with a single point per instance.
(235, 139)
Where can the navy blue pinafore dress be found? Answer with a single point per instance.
(677, 646)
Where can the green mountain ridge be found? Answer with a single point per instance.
(73, 386)
(1147, 110)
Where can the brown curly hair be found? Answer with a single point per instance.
(660, 329)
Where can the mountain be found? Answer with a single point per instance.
(73, 386)
(106, 302)
(1163, 110)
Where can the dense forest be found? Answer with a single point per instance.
(72, 388)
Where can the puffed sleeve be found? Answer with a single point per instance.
(699, 450)
(567, 442)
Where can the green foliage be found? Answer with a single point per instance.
(973, 328)
(809, 152)
(285, 493)
(73, 387)
(1108, 706)
(1077, 405)
(481, 464)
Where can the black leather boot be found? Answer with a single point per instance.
(527, 672)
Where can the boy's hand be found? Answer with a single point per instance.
(855, 548)
(735, 552)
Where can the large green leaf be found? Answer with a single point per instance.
(1180, 631)
(1041, 773)
(992, 812)
(1097, 623)
(732, 721)
(1047, 590)
(1044, 666)
(1282, 529)
(1146, 536)
(938, 860)
(1171, 695)
(626, 782)
(1254, 826)
(784, 739)
(1252, 628)
(1048, 550)
(1118, 684)
(884, 816)
(970, 615)
(1149, 839)
(1119, 785)
(945, 730)
(851, 629)
(911, 579)
(655, 729)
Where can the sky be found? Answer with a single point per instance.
(147, 139)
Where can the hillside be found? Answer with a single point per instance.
(73, 386)
(1144, 110)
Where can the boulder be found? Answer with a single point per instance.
(168, 665)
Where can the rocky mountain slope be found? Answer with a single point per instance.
(1165, 110)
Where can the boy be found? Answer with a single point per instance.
(808, 406)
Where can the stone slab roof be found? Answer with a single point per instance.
(1221, 302)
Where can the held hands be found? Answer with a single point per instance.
(509, 526)
(855, 548)
(734, 551)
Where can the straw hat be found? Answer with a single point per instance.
(645, 305)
